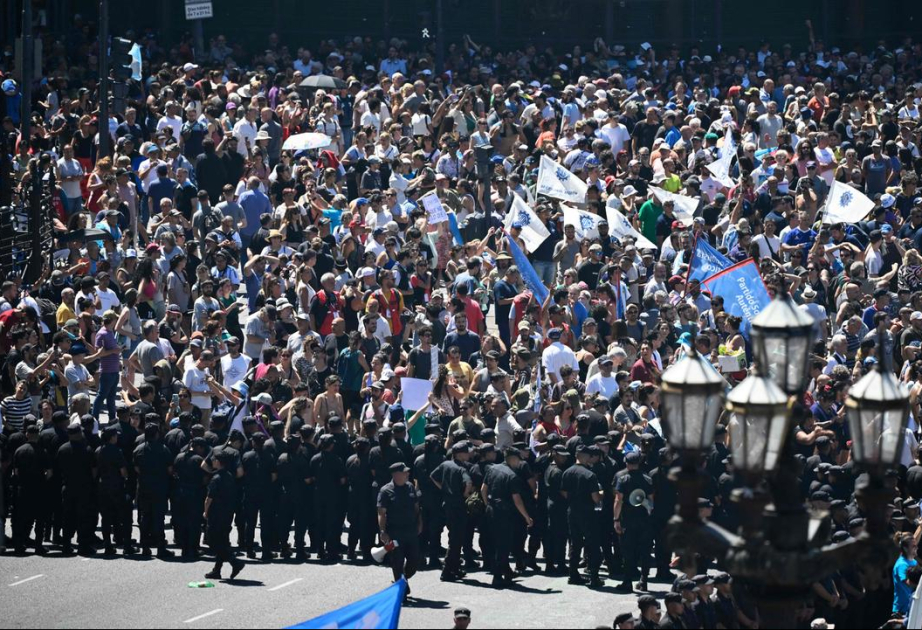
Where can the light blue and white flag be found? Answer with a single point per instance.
(136, 62)
(529, 275)
(845, 204)
(586, 223)
(706, 261)
(378, 611)
(534, 231)
(556, 181)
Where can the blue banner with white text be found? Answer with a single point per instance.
(706, 261)
(378, 611)
(742, 289)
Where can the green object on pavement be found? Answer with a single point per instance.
(205, 584)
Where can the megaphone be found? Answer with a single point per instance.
(378, 554)
(637, 497)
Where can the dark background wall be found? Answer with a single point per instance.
(508, 23)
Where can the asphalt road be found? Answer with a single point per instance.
(112, 593)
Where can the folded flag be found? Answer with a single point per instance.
(685, 207)
(845, 204)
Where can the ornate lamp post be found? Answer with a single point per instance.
(781, 550)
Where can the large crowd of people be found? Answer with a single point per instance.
(228, 345)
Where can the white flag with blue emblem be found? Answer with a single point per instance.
(846, 205)
(720, 169)
(556, 181)
(621, 227)
(533, 231)
(685, 207)
(586, 223)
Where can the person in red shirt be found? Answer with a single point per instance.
(390, 303)
(476, 322)
(819, 103)
(645, 370)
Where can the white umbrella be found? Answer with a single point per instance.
(307, 141)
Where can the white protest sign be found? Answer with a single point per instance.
(415, 393)
(434, 209)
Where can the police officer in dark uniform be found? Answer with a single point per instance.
(453, 481)
(259, 478)
(154, 466)
(32, 469)
(703, 607)
(580, 486)
(431, 511)
(219, 513)
(75, 463)
(725, 607)
(291, 476)
(605, 469)
(128, 422)
(177, 439)
(529, 484)
(502, 492)
(555, 542)
(481, 459)
(399, 521)
(112, 475)
(190, 497)
(633, 523)
(649, 612)
(663, 510)
(51, 439)
(674, 608)
(329, 474)
(362, 501)
(689, 592)
(305, 514)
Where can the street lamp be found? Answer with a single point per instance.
(692, 395)
(878, 412)
(762, 411)
(781, 336)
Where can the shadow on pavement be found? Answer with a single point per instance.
(243, 583)
(416, 602)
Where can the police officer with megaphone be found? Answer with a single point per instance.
(633, 496)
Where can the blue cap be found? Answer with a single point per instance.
(361, 201)
(554, 333)
(78, 348)
(516, 226)
(886, 229)
(379, 231)
(497, 159)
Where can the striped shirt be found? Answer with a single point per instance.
(15, 411)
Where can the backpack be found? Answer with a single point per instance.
(475, 505)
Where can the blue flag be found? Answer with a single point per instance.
(378, 611)
(453, 226)
(706, 261)
(529, 275)
(742, 289)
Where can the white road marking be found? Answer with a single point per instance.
(285, 585)
(207, 614)
(34, 577)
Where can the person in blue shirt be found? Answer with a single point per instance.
(902, 590)
(798, 237)
(880, 305)
(161, 188)
(255, 203)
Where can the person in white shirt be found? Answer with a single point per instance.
(769, 244)
(603, 382)
(383, 329)
(245, 131)
(172, 120)
(616, 135)
(234, 365)
(556, 356)
(198, 380)
(106, 297)
(709, 186)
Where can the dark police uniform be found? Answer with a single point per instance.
(329, 474)
(259, 498)
(153, 461)
(454, 480)
(190, 501)
(430, 501)
(555, 541)
(401, 504)
(110, 464)
(636, 539)
(30, 463)
(75, 462)
(502, 485)
(579, 482)
(222, 490)
(362, 504)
